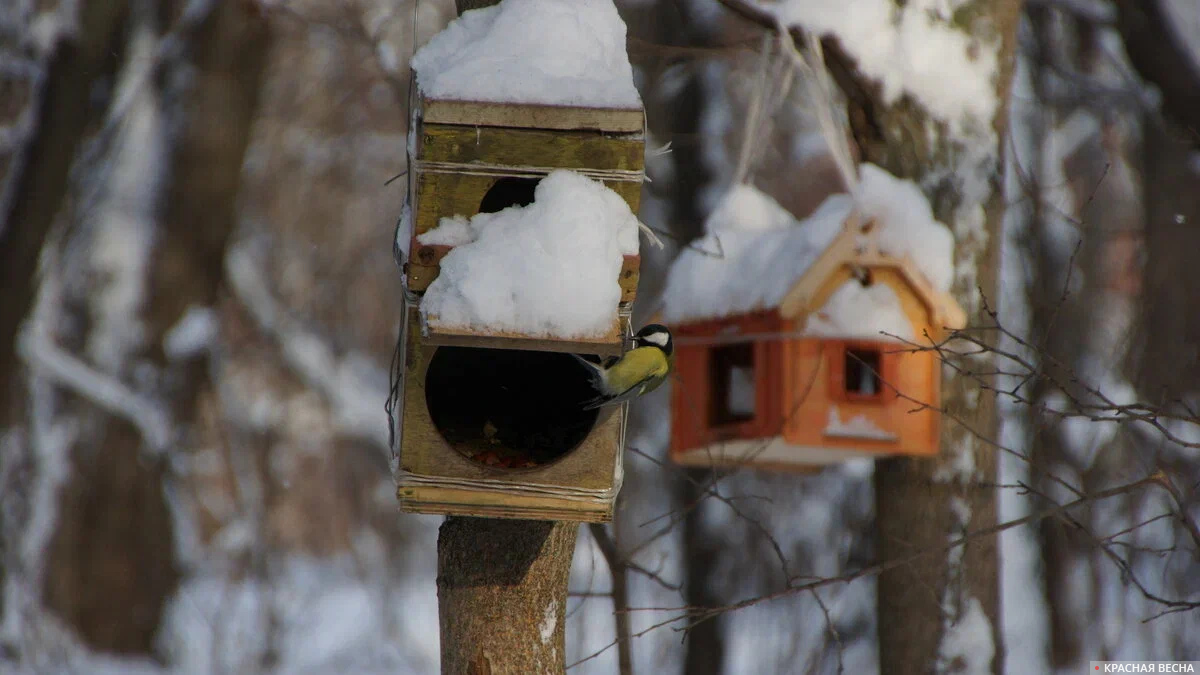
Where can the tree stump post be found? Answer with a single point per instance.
(502, 595)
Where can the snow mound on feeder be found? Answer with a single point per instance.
(754, 252)
(905, 224)
(868, 312)
(751, 255)
(531, 51)
(548, 269)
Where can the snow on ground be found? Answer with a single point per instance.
(531, 51)
(913, 49)
(314, 616)
(546, 269)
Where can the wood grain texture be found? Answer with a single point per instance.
(502, 590)
(468, 143)
(532, 116)
(609, 344)
(451, 501)
(442, 195)
(425, 452)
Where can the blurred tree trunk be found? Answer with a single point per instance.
(921, 502)
(62, 118)
(502, 595)
(111, 564)
(702, 550)
(62, 115)
(1056, 321)
(1167, 334)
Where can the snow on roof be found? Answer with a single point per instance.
(755, 251)
(546, 269)
(912, 48)
(752, 254)
(905, 225)
(854, 310)
(531, 51)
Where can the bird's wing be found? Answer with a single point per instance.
(632, 376)
(595, 372)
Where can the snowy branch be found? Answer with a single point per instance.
(353, 385)
(152, 420)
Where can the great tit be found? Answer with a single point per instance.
(639, 371)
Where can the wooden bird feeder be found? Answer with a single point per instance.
(478, 157)
(492, 422)
(754, 389)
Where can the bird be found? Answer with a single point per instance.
(639, 371)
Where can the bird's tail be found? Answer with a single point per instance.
(596, 378)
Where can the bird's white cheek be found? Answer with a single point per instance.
(659, 339)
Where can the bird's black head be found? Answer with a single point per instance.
(655, 335)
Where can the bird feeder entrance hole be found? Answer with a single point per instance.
(508, 192)
(509, 409)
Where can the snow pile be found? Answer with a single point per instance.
(546, 269)
(905, 224)
(531, 51)
(861, 311)
(914, 49)
(752, 254)
(855, 427)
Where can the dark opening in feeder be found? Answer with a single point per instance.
(731, 374)
(862, 369)
(509, 408)
(508, 192)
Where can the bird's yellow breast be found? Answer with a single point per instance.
(636, 366)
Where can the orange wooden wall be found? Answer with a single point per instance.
(691, 394)
(813, 386)
(799, 380)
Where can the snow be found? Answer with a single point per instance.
(454, 231)
(549, 622)
(968, 642)
(754, 251)
(854, 310)
(404, 233)
(752, 254)
(855, 427)
(316, 616)
(912, 49)
(742, 392)
(905, 224)
(192, 334)
(578, 57)
(546, 269)
(125, 229)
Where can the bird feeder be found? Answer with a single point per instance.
(766, 389)
(493, 423)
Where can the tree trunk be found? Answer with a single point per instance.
(705, 642)
(922, 502)
(63, 115)
(114, 544)
(502, 595)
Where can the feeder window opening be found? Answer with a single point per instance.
(507, 408)
(732, 384)
(508, 192)
(861, 373)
